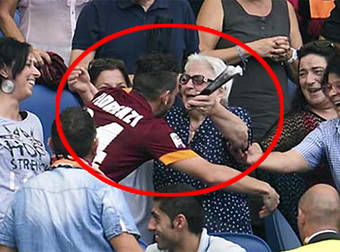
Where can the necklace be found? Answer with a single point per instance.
(192, 132)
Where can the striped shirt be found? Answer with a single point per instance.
(323, 143)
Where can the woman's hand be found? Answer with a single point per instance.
(205, 104)
(41, 56)
(275, 48)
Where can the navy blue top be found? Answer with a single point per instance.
(224, 211)
(101, 18)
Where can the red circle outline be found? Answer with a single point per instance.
(182, 26)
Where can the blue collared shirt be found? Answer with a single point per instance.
(66, 209)
(323, 142)
(101, 18)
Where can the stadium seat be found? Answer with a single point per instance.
(251, 243)
(42, 104)
(280, 235)
(142, 244)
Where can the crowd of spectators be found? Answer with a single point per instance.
(143, 122)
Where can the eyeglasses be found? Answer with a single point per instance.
(327, 87)
(197, 80)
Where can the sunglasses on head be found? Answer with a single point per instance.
(317, 45)
(197, 79)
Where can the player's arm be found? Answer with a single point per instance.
(125, 242)
(79, 82)
(213, 174)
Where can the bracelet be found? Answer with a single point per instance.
(293, 57)
(241, 55)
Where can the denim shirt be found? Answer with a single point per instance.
(65, 209)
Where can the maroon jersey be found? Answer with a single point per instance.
(129, 134)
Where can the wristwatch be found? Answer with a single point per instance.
(293, 57)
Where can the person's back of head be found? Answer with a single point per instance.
(155, 74)
(319, 209)
(189, 206)
(79, 130)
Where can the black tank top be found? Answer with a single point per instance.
(255, 90)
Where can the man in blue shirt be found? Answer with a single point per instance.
(323, 142)
(101, 18)
(66, 208)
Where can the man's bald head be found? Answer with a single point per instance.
(319, 208)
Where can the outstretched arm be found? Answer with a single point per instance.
(213, 174)
(284, 162)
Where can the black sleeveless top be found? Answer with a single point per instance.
(255, 90)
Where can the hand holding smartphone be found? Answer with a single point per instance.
(222, 78)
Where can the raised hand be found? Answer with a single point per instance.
(79, 82)
(204, 103)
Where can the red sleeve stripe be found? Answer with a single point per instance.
(176, 156)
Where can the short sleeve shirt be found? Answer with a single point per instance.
(129, 134)
(65, 209)
(102, 18)
(22, 155)
(323, 142)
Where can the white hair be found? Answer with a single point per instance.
(215, 64)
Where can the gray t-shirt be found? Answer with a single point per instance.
(22, 155)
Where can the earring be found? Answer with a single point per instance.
(7, 86)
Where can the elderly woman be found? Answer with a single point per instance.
(22, 151)
(199, 125)
(310, 108)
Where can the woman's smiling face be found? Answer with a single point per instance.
(311, 71)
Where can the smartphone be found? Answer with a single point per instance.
(222, 78)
